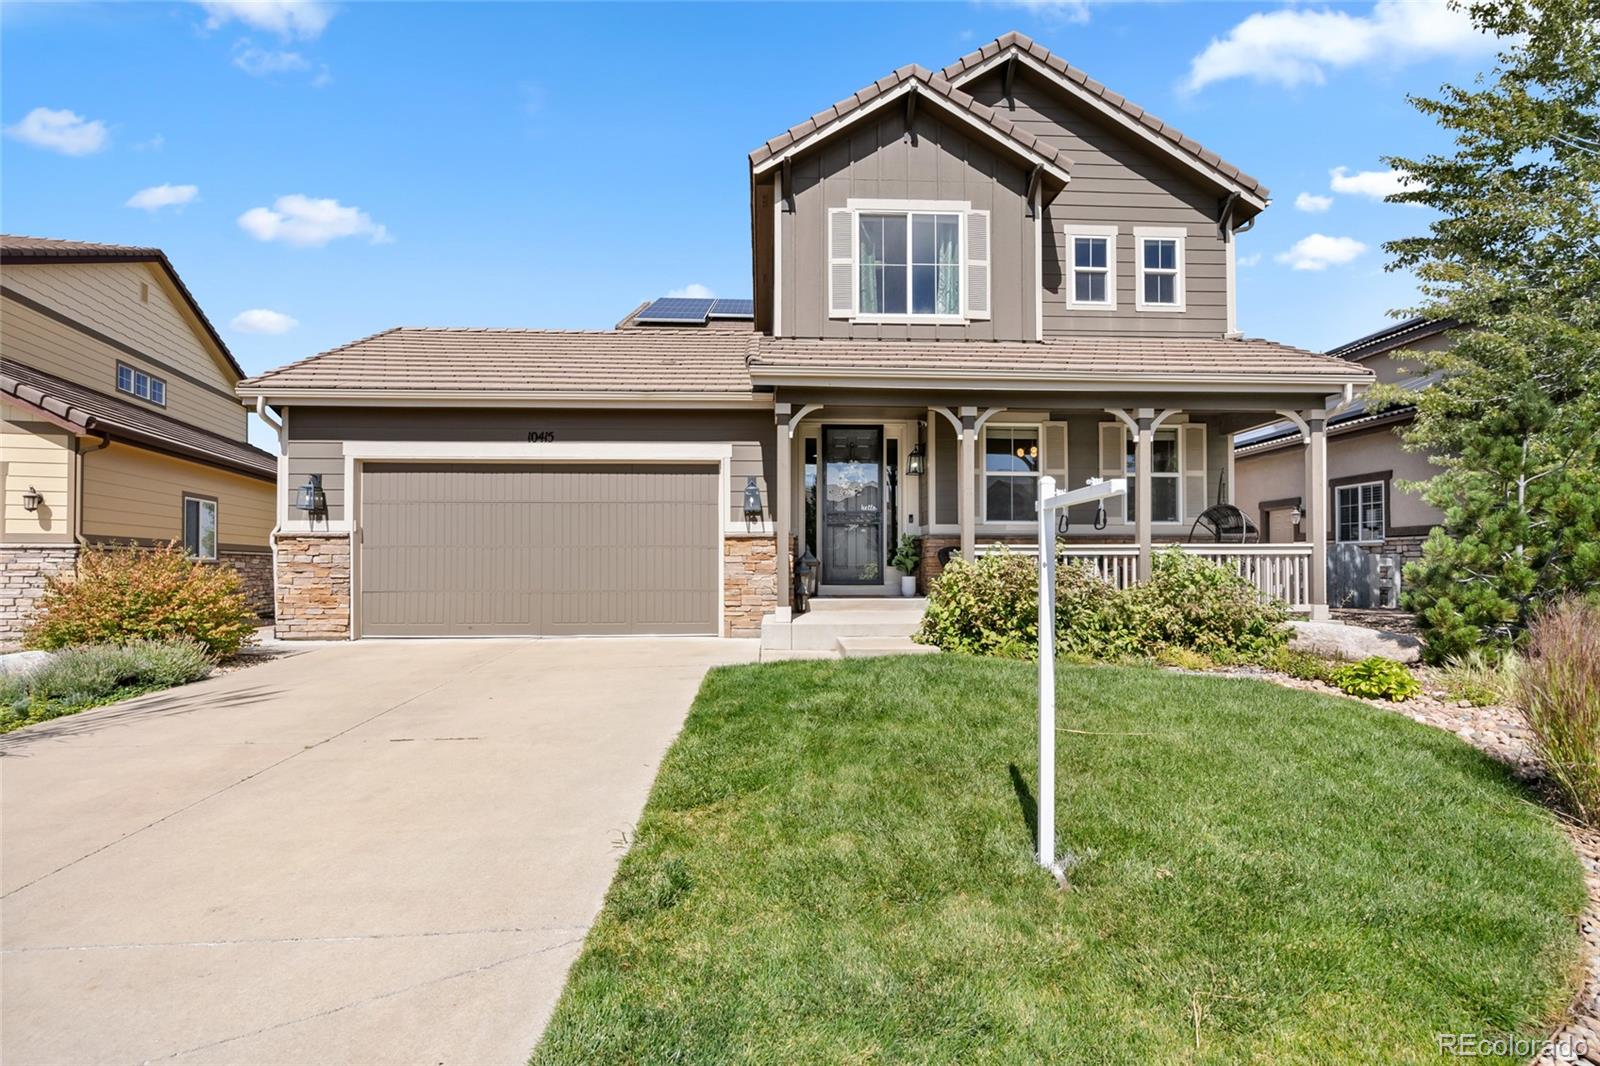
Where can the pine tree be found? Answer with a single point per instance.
(1514, 258)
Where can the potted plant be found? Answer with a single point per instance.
(906, 559)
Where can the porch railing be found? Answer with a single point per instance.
(1280, 571)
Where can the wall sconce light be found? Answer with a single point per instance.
(32, 499)
(1295, 516)
(310, 498)
(916, 460)
(752, 501)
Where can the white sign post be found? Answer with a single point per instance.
(1051, 501)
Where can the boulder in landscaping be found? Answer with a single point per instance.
(1337, 640)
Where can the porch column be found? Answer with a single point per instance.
(966, 479)
(781, 493)
(1316, 508)
(1143, 457)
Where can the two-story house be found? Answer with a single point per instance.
(119, 423)
(963, 279)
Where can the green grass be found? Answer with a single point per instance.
(835, 866)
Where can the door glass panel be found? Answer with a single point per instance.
(852, 505)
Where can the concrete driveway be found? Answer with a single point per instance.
(383, 852)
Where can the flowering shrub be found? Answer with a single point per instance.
(120, 595)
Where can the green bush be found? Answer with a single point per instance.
(1301, 664)
(990, 607)
(88, 676)
(1480, 679)
(1559, 689)
(121, 595)
(1377, 678)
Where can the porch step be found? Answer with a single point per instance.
(820, 629)
(866, 647)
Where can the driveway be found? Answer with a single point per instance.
(367, 853)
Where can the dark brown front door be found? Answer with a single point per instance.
(852, 505)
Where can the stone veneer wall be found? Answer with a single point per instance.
(24, 568)
(749, 583)
(255, 573)
(313, 600)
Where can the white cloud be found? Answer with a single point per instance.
(261, 320)
(152, 145)
(1249, 260)
(1318, 252)
(1298, 46)
(1374, 184)
(289, 19)
(695, 291)
(307, 223)
(158, 196)
(61, 131)
(1312, 204)
(261, 62)
(1050, 11)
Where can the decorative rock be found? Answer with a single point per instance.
(1339, 641)
(20, 662)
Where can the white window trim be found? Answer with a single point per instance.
(984, 475)
(1073, 230)
(151, 381)
(1144, 233)
(1383, 501)
(859, 207)
(216, 526)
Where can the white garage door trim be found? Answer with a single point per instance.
(358, 451)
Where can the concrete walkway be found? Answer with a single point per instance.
(384, 852)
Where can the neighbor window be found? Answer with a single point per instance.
(909, 263)
(1164, 477)
(1160, 262)
(1092, 267)
(138, 383)
(200, 527)
(1011, 459)
(1358, 513)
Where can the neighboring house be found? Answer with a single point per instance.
(962, 280)
(1366, 508)
(121, 424)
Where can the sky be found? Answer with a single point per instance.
(319, 172)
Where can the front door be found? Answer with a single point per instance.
(852, 505)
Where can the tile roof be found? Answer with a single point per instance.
(95, 412)
(484, 363)
(1065, 359)
(15, 248)
(934, 83)
(1131, 112)
(490, 361)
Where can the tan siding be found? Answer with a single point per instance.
(879, 161)
(137, 494)
(33, 456)
(45, 344)
(1116, 180)
(106, 297)
(316, 438)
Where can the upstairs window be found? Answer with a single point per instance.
(1160, 262)
(909, 264)
(1091, 267)
(140, 384)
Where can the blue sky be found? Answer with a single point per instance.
(365, 165)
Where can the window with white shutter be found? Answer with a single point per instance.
(1194, 471)
(1113, 447)
(908, 261)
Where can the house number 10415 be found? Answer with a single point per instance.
(541, 436)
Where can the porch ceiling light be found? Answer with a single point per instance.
(309, 497)
(916, 460)
(752, 500)
(32, 499)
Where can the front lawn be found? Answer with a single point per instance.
(835, 866)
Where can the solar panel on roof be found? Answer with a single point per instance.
(678, 310)
(733, 309)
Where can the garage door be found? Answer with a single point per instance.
(549, 550)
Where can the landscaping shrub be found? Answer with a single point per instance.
(121, 595)
(1301, 664)
(1377, 678)
(89, 676)
(1479, 679)
(1560, 697)
(990, 607)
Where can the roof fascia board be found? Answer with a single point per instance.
(1056, 382)
(416, 398)
(1116, 115)
(817, 136)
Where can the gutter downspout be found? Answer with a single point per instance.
(277, 502)
(77, 504)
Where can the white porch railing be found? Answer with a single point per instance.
(1280, 571)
